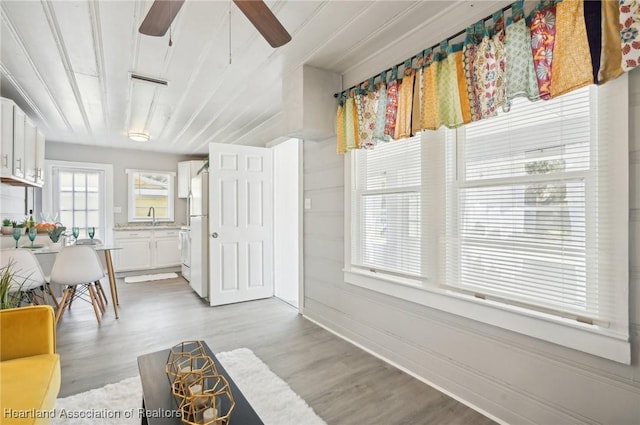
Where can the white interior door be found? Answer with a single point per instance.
(240, 223)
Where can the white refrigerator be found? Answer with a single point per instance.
(199, 218)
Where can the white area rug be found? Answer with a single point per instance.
(117, 404)
(149, 277)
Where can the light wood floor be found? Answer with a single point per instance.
(342, 383)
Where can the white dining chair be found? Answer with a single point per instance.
(77, 268)
(100, 290)
(28, 277)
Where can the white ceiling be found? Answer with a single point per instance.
(67, 63)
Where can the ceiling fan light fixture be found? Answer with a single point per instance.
(139, 137)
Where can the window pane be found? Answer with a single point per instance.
(93, 219)
(66, 180)
(80, 199)
(80, 219)
(386, 194)
(93, 182)
(93, 200)
(66, 200)
(151, 190)
(391, 232)
(66, 218)
(533, 138)
(522, 237)
(79, 182)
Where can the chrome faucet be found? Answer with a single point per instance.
(152, 210)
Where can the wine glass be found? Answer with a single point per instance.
(92, 232)
(17, 233)
(33, 232)
(76, 233)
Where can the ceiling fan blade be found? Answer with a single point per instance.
(265, 21)
(160, 16)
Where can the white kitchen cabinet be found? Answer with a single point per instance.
(6, 139)
(18, 143)
(39, 158)
(30, 135)
(187, 170)
(134, 252)
(22, 147)
(166, 252)
(146, 249)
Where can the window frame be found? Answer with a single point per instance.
(48, 189)
(358, 225)
(131, 197)
(433, 292)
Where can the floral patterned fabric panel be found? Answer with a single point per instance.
(630, 33)
(449, 108)
(543, 34)
(611, 53)
(571, 56)
(392, 109)
(340, 133)
(351, 124)
(521, 75)
(487, 69)
(501, 70)
(465, 108)
(469, 53)
(430, 113)
(381, 114)
(368, 119)
(416, 114)
(405, 105)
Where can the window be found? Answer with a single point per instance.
(79, 194)
(521, 208)
(149, 192)
(519, 221)
(387, 200)
(78, 199)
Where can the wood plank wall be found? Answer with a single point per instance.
(512, 377)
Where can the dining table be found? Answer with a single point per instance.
(44, 254)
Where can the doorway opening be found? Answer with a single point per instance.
(287, 235)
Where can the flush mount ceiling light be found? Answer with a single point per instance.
(139, 137)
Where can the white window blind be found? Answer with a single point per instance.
(529, 218)
(386, 208)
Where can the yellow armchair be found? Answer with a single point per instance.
(29, 365)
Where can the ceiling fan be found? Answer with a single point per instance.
(162, 13)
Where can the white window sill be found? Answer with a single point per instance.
(591, 339)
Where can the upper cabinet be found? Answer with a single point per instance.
(186, 170)
(21, 147)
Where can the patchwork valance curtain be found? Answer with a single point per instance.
(558, 47)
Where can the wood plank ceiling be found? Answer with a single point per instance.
(68, 63)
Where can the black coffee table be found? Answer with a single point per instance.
(158, 403)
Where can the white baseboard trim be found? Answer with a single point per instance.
(407, 371)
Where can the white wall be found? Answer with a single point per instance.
(515, 378)
(122, 159)
(286, 205)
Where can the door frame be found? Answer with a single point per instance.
(47, 189)
(300, 217)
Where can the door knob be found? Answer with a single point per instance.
(214, 235)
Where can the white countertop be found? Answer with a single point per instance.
(129, 227)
